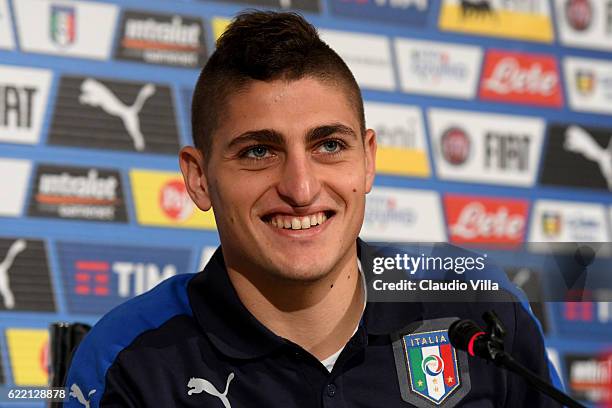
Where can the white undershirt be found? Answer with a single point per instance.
(331, 360)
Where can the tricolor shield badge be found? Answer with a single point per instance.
(63, 25)
(431, 372)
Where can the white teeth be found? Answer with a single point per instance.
(296, 223)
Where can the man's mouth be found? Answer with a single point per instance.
(298, 223)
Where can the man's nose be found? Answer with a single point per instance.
(299, 183)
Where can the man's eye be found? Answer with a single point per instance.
(257, 152)
(331, 146)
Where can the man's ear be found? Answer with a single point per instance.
(370, 158)
(191, 161)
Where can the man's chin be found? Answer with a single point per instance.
(300, 270)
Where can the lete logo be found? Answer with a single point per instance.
(531, 79)
(486, 220)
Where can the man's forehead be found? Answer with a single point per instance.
(289, 108)
(312, 135)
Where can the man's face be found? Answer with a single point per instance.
(287, 177)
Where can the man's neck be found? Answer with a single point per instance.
(320, 316)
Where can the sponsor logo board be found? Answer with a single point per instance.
(585, 23)
(520, 19)
(219, 24)
(400, 135)
(599, 313)
(116, 115)
(303, 5)
(403, 215)
(486, 148)
(25, 280)
(161, 199)
(28, 351)
(84, 193)
(368, 56)
(578, 156)
(566, 221)
(486, 220)
(517, 77)
(13, 189)
(589, 84)
(6, 30)
(23, 100)
(166, 39)
(64, 27)
(409, 12)
(439, 69)
(588, 377)
(97, 277)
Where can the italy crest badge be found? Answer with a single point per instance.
(431, 372)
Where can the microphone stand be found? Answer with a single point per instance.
(494, 351)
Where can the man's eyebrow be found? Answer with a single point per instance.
(259, 136)
(321, 132)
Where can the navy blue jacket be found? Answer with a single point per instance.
(190, 342)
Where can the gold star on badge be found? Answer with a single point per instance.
(420, 383)
(435, 381)
(450, 380)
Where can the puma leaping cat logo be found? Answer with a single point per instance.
(579, 141)
(76, 392)
(5, 290)
(197, 385)
(95, 94)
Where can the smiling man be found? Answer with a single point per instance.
(279, 316)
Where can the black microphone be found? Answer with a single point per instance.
(466, 335)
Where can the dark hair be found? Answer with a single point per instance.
(265, 46)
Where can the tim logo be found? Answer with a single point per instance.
(63, 25)
(92, 278)
(97, 95)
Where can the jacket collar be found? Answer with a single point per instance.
(235, 332)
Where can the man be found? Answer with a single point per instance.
(279, 318)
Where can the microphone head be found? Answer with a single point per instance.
(462, 334)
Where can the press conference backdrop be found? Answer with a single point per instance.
(493, 121)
